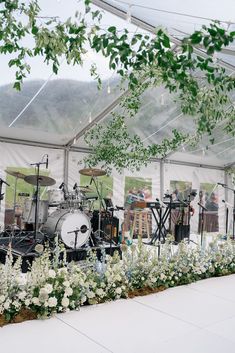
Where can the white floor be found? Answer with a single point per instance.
(198, 318)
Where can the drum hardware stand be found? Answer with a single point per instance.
(99, 193)
(2, 194)
(203, 208)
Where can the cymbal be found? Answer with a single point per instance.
(15, 174)
(92, 172)
(43, 180)
(84, 188)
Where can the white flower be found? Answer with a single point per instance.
(90, 295)
(51, 273)
(52, 302)
(66, 284)
(22, 295)
(83, 299)
(43, 294)
(65, 302)
(35, 301)
(6, 304)
(2, 298)
(49, 288)
(118, 290)
(100, 292)
(68, 291)
(27, 302)
(21, 280)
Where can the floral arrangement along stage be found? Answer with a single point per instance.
(57, 286)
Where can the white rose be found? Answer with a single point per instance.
(83, 299)
(118, 290)
(22, 295)
(49, 288)
(66, 284)
(68, 291)
(2, 298)
(6, 304)
(51, 273)
(99, 292)
(65, 302)
(27, 302)
(90, 295)
(52, 302)
(35, 301)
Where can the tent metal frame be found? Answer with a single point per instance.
(70, 146)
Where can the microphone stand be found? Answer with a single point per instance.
(202, 220)
(226, 219)
(37, 165)
(233, 190)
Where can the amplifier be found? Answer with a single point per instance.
(108, 226)
(181, 232)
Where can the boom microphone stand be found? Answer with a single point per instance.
(225, 186)
(202, 220)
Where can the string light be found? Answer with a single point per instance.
(183, 148)
(203, 152)
(74, 141)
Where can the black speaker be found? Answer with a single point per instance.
(181, 232)
(108, 225)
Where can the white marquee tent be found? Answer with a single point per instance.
(52, 113)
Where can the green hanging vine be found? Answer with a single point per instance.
(202, 86)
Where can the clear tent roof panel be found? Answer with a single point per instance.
(54, 108)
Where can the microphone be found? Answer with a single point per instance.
(221, 184)
(61, 185)
(75, 186)
(47, 162)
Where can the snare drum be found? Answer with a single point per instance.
(55, 197)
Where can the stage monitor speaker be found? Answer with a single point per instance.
(181, 232)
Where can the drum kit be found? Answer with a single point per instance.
(64, 213)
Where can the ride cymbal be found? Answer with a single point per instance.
(42, 180)
(15, 174)
(92, 172)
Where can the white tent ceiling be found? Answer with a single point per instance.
(57, 111)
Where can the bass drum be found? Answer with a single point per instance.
(74, 228)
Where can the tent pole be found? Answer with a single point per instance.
(162, 182)
(66, 166)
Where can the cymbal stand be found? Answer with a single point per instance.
(99, 193)
(37, 166)
(14, 209)
(2, 194)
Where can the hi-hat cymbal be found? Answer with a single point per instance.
(15, 174)
(84, 188)
(92, 172)
(43, 180)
